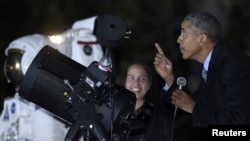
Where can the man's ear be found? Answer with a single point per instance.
(202, 38)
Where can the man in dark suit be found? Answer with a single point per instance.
(223, 96)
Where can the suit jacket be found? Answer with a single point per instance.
(225, 98)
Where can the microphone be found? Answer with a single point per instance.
(181, 82)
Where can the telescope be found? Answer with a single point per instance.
(87, 98)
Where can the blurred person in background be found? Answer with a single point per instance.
(23, 120)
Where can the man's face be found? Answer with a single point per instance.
(189, 42)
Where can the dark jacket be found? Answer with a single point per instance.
(152, 123)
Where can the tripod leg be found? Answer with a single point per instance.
(72, 133)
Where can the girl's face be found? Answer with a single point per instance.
(137, 81)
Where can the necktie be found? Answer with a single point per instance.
(204, 74)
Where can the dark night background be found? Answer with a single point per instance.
(149, 20)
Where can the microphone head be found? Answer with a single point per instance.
(181, 81)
